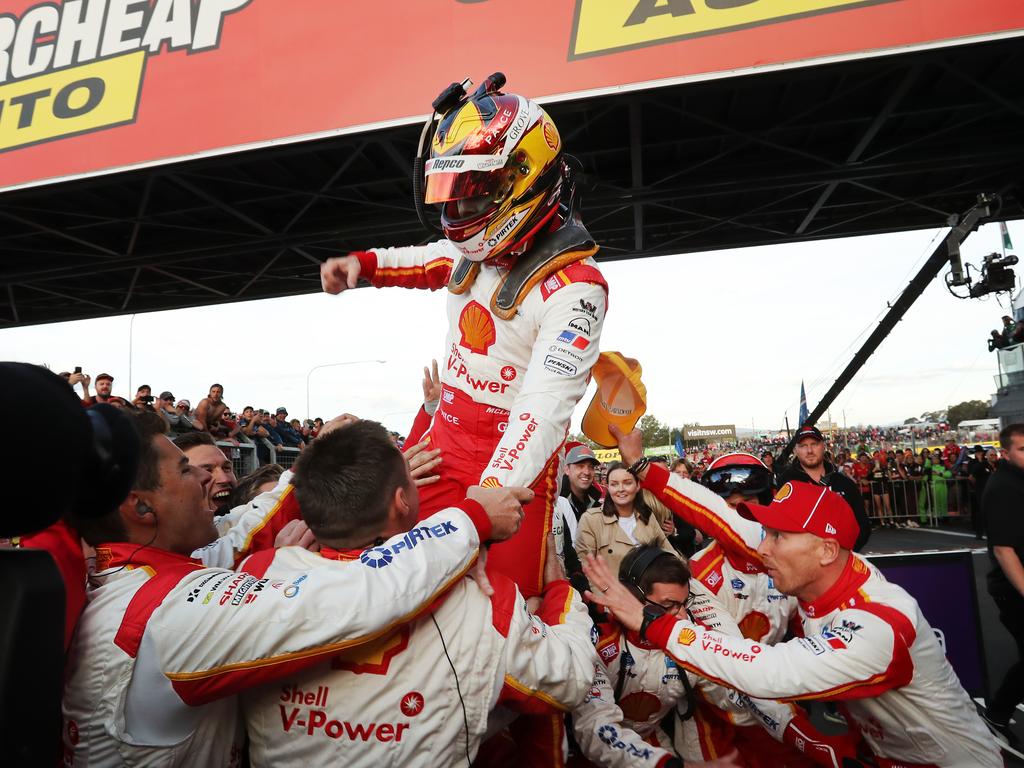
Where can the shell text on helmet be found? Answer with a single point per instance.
(477, 328)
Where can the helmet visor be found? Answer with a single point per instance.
(460, 177)
(748, 480)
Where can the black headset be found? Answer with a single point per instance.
(639, 567)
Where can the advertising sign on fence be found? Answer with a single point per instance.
(91, 86)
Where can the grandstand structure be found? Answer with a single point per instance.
(234, 169)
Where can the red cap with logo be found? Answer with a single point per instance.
(807, 508)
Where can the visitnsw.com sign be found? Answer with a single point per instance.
(92, 86)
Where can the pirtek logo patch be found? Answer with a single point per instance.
(604, 26)
(78, 67)
(379, 557)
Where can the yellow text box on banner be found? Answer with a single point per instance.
(608, 25)
(71, 101)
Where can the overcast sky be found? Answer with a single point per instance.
(723, 337)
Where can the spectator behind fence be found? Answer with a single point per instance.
(252, 485)
(144, 398)
(159, 689)
(979, 471)
(288, 433)
(1003, 510)
(354, 490)
(104, 384)
(201, 451)
(210, 412)
(177, 420)
(810, 466)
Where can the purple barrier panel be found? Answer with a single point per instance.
(943, 585)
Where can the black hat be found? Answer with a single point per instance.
(809, 430)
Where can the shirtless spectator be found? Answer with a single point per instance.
(210, 412)
(104, 383)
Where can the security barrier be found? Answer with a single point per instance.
(919, 502)
(279, 454)
(243, 456)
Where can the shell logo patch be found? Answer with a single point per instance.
(755, 625)
(477, 328)
(490, 482)
(550, 136)
(686, 637)
(784, 492)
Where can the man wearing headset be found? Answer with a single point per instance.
(420, 694)
(526, 303)
(165, 642)
(636, 684)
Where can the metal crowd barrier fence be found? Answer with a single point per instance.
(279, 454)
(243, 456)
(920, 502)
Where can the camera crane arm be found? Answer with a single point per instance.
(948, 251)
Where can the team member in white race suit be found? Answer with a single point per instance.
(525, 306)
(865, 641)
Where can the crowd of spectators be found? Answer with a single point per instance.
(211, 415)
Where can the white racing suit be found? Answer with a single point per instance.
(866, 644)
(408, 698)
(626, 731)
(164, 642)
(731, 569)
(510, 382)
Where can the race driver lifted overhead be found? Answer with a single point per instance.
(526, 302)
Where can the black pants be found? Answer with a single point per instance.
(1011, 691)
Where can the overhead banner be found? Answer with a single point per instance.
(716, 433)
(93, 86)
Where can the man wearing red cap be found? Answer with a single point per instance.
(865, 641)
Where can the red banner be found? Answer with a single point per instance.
(88, 86)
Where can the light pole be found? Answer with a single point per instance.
(332, 365)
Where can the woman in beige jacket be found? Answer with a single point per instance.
(622, 523)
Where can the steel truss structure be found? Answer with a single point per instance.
(861, 147)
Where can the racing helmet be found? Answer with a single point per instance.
(496, 171)
(739, 473)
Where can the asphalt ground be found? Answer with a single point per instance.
(1000, 650)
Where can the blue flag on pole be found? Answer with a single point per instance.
(804, 413)
(679, 445)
